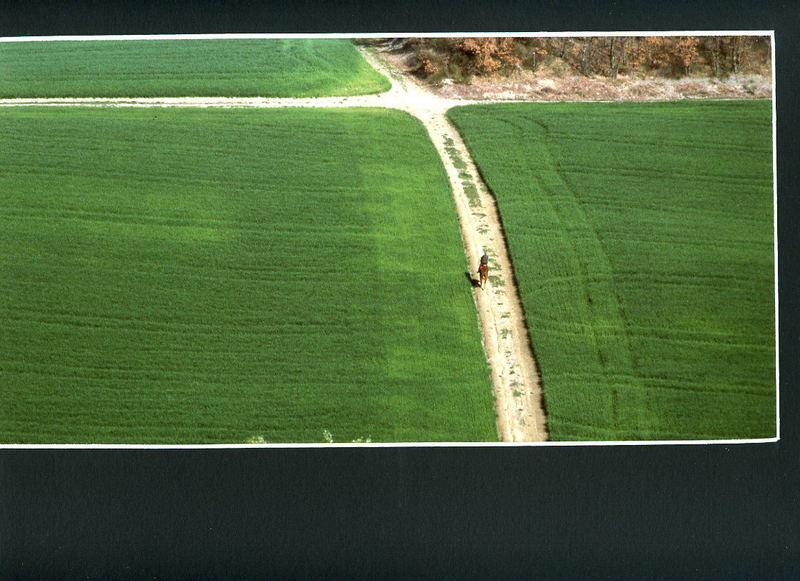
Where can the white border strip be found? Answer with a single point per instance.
(548, 444)
(775, 237)
(234, 36)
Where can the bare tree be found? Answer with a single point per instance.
(587, 54)
(612, 65)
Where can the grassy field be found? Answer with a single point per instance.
(179, 68)
(642, 238)
(206, 276)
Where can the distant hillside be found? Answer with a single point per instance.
(460, 59)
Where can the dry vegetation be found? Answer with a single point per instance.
(588, 68)
(660, 56)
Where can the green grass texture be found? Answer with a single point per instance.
(182, 67)
(229, 276)
(642, 239)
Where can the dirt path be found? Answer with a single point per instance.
(515, 377)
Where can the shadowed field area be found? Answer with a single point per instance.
(206, 276)
(642, 238)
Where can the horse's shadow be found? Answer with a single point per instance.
(473, 281)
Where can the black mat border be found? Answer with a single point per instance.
(659, 512)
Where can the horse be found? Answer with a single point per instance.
(483, 273)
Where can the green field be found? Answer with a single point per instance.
(642, 238)
(207, 276)
(179, 68)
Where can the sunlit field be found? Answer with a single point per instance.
(642, 239)
(209, 276)
(180, 68)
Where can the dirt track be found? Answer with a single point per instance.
(515, 377)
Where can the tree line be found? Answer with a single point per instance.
(609, 56)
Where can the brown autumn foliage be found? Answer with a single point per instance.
(460, 59)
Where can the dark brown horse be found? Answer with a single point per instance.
(483, 270)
